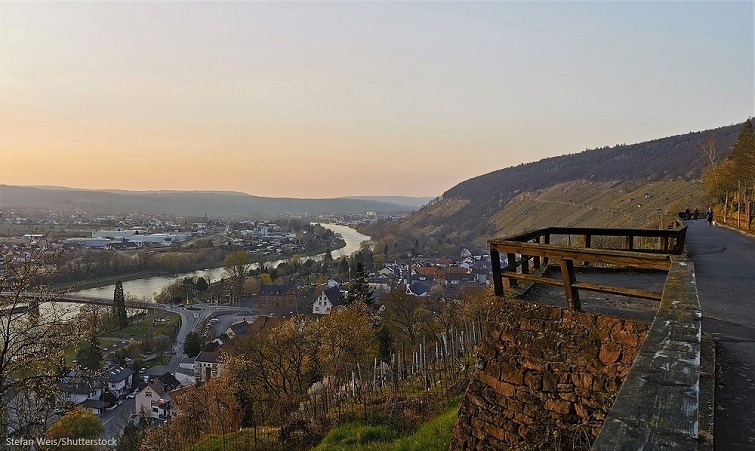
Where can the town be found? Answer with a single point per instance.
(129, 375)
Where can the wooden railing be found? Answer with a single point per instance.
(527, 253)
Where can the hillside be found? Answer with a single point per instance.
(184, 203)
(626, 185)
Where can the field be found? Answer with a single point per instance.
(434, 434)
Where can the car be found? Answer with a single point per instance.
(142, 370)
(131, 395)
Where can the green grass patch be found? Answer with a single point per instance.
(359, 435)
(434, 434)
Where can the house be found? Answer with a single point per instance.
(76, 389)
(416, 289)
(206, 366)
(279, 299)
(95, 406)
(154, 402)
(425, 279)
(329, 298)
(481, 275)
(456, 278)
(185, 372)
(237, 329)
(263, 324)
(118, 380)
(386, 272)
(169, 381)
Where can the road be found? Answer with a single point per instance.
(191, 320)
(725, 276)
(115, 420)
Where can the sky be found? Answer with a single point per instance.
(317, 99)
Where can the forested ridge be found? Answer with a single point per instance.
(469, 213)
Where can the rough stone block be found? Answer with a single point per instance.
(512, 374)
(492, 368)
(523, 419)
(610, 353)
(474, 399)
(585, 319)
(549, 382)
(581, 411)
(607, 323)
(531, 410)
(505, 389)
(582, 380)
(523, 395)
(511, 438)
(533, 380)
(625, 338)
(558, 406)
(595, 367)
(629, 354)
(571, 397)
(529, 363)
(495, 432)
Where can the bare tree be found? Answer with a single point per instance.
(237, 266)
(34, 332)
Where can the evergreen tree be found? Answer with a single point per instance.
(202, 284)
(743, 154)
(193, 344)
(385, 343)
(360, 290)
(120, 316)
(90, 355)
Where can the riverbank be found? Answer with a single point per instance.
(148, 287)
(110, 280)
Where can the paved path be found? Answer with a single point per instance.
(725, 274)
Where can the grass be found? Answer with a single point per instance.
(434, 434)
(140, 330)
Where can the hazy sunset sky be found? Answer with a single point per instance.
(329, 99)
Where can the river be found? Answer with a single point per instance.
(148, 287)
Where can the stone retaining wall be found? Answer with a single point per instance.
(545, 377)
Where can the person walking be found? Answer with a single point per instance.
(709, 216)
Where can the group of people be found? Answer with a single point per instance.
(696, 214)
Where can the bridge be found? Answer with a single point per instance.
(666, 399)
(32, 297)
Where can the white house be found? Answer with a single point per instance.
(154, 401)
(118, 380)
(77, 389)
(329, 298)
(206, 366)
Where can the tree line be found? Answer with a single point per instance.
(730, 180)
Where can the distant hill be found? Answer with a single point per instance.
(184, 203)
(591, 188)
(414, 202)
